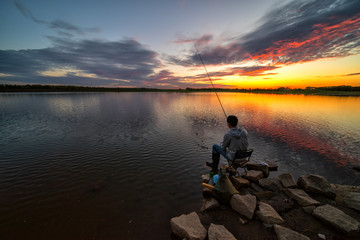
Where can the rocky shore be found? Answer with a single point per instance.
(274, 208)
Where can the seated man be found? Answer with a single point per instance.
(234, 140)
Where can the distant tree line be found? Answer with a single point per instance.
(333, 90)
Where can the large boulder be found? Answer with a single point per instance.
(253, 175)
(209, 203)
(219, 232)
(272, 184)
(287, 180)
(268, 215)
(239, 182)
(188, 226)
(352, 200)
(338, 219)
(316, 184)
(258, 167)
(283, 233)
(301, 197)
(272, 165)
(264, 195)
(244, 204)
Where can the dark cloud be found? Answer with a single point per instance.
(166, 78)
(198, 42)
(65, 26)
(27, 13)
(252, 71)
(61, 27)
(300, 31)
(120, 60)
(352, 74)
(238, 71)
(305, 31)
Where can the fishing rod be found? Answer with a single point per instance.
(207, 73)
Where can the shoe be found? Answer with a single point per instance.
(209, 164)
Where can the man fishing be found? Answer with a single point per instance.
(234, 140)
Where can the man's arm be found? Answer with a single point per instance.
(226, 142)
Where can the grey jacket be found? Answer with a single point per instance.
(235, 139)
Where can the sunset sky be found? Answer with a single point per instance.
(138, 43)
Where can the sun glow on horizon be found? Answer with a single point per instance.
(324, 72)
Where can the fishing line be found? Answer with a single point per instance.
(210, 79)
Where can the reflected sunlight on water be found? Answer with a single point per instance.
(327, 125)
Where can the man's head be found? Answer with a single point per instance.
(232, 121)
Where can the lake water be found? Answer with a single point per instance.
(121, 165)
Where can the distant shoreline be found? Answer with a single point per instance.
(326, 91)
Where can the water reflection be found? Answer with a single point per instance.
(103, 165)
(327, 126)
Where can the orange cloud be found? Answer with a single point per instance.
(324, 41)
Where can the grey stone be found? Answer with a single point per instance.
(356, 168)
(287, 180)
(316, 184)
(239, 182)
(207, 193)
(272, 165)
(205, 178)
(309, 209)
(268, 215)
(283, 233)
(337, 218)
(219, 232)
(243, 220)
(258, 167)
(301, 197)
(188, 226)
(256, 187)
(272, 184)
(321, 236)
(209, 204)
(352, 200)
(264, 195)
(244, 204)
(253, 175)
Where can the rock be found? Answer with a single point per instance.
(263, 195)
(301, 197)
(207, 193)
(321, 236)
(316, 184)
(352, 200)
(337, 218)
(205, 178)
(188, 226)
(272, 184)
(342, 190)
(239, 182)
(243, 220)
(272, 166)
(258, 167)
(281, 202)
(244, 204)
(283, 233)
(356, 168)
(219, 232)
(209, 204)
(253, 175)
(287, 180)
(309, 209)
(268, 215)
(256, 187)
